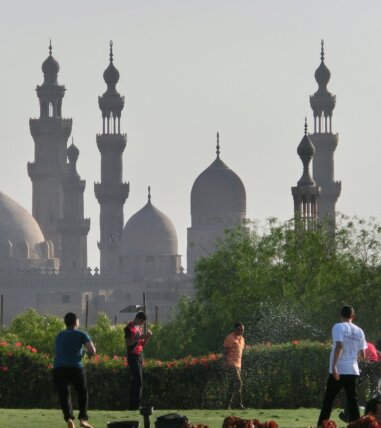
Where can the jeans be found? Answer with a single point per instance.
(348, 382)
(135, 363)
(63, 377)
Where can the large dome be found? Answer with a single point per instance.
(18, 228)
(218, 189)
(149, 232)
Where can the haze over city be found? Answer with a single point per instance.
(187, 70)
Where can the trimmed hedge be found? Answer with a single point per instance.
(275, 376)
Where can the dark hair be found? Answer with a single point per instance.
(141, 316)
(70, 319)
(237, 325)
(347, 311)
(371, 405)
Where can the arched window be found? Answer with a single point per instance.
(50, 109)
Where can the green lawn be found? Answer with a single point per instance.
(41, 418)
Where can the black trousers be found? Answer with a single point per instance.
(135, 363)
(348, 382)
(63, 378)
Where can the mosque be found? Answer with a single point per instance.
(43, 254)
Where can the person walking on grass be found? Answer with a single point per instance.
(68, 369)
(348, 345)
(234, 345)
(135, 342)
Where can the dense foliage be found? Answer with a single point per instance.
(289, 375)
(283, 284)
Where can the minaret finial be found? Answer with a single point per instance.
(305, 126)
(149, 193)
(322, 51)
(218, 145)
(111, 53)
(50, 47)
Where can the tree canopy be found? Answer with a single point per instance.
(283, 284)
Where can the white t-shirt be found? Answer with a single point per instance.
(353, 340)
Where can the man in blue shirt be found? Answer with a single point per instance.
(68, 369)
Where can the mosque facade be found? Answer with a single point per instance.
(43, 254)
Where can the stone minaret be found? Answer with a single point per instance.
(50, 133)
(111, 192)
(306, 193)
(325, 142)
(73, 227)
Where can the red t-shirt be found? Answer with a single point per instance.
(371, 352)
(133, 332)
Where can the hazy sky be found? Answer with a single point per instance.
(190, 68)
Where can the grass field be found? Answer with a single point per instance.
(41, 418)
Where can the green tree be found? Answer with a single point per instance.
(281, 283)
(37, 330)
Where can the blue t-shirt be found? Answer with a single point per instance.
(68, 348)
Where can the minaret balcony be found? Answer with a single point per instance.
(36, 171)
(111, 142)
(112, 193)
(50, 126)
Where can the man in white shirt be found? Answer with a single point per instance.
(348, 344)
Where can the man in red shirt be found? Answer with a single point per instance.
(135, 342)
(234, 345)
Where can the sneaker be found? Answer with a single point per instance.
(344, 417)
(83, 423)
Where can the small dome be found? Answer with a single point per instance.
(322, 75)
(72, 152)
(50, 68)
(306, 148)
(149, 232)
(218, 189)
(18, 229)
(111, 75)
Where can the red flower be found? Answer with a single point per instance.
(28, 347)
(50, 366)
(4, 368)
(34, 350)
(4, 343)
(116, 358)
(18, 344)
(295, 342)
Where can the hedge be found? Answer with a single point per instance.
(275, 376)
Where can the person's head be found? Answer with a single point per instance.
(71, 320)
(238, 328)
(347, 312)
(140, 318)
(373, 408)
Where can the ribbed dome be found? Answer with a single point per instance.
(218, 189)
(149, 232)
(18, 227)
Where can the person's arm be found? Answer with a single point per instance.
(90, 348)
(336, 356)
(147, 337)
